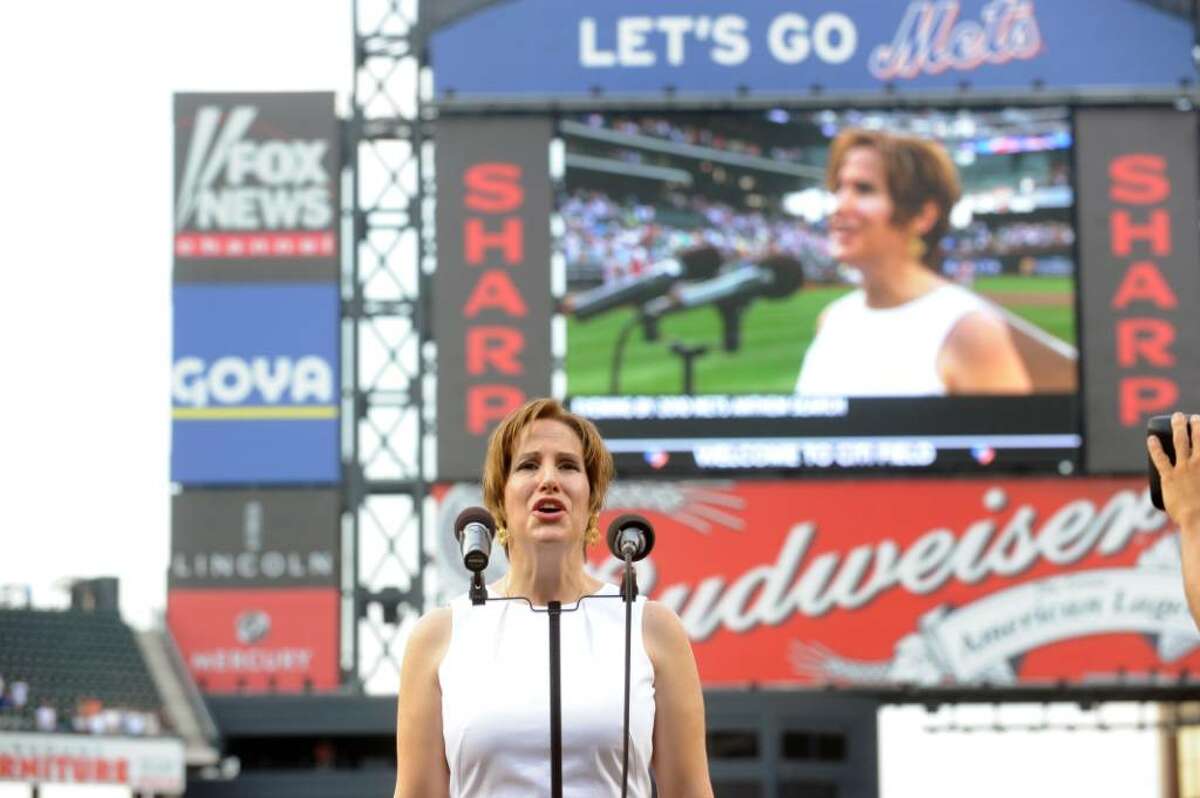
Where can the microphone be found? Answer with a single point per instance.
(474, 529)
(693, 264)
(774, 277)
(630, 536)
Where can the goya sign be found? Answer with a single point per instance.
(254, 384)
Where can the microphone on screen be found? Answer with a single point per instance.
(630, 537)
(774, 277)
(699, 263)
(474, 529)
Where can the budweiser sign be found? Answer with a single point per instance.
(907, 581)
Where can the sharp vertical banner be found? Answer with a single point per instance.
(492, 286)
(1139, 250)
(256, 179)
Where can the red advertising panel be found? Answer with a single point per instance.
(913, 581)
(262, 640)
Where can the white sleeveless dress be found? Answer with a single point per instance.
(865, 351)
(495, 681)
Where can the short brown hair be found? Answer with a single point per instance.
(597, 462)
(918, 171)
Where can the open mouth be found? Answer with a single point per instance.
(548, 509)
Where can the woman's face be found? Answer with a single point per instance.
(546, 495)
(861, 231)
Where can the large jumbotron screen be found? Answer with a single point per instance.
(701, 257)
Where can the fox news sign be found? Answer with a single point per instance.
(256, 179)
(534, 49)
(254, 384)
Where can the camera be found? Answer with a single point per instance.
(1160, 427)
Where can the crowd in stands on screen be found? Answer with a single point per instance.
(89, 716)
(1014, 237)
(699, 136)
(605, 240)
(611, 240)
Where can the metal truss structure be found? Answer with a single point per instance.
(387, 350)
(389, 381)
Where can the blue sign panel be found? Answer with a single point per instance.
(780, 48)
(254, 384)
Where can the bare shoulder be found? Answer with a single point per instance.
(821, 318)
(977, 332)
(429, 638)
(663, 633)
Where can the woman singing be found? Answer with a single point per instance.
(473, 716)
(906, 331)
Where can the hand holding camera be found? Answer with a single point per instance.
(1175, 467)
(1174, 446)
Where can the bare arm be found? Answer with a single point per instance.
(421, 769)
(979, 356)
(680, 762)
(1181, 497)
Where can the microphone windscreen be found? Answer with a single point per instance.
(787, 275)
(630, 521)
(701, 263)
(474, 515)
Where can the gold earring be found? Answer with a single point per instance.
(593, 530)
(502, 535)
(916, 248)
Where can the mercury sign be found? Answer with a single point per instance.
(254, 384)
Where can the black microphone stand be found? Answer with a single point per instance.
(629, 591)
(614, 377)
(554, 610)
(477, 593)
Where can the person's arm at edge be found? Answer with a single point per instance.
(979, 357)
(680, 761)
(421, 769)
(1181, 497)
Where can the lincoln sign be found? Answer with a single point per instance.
(905, 582)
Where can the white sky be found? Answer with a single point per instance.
(86, 326)
(85, 164)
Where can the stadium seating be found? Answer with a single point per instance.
(69, 656)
